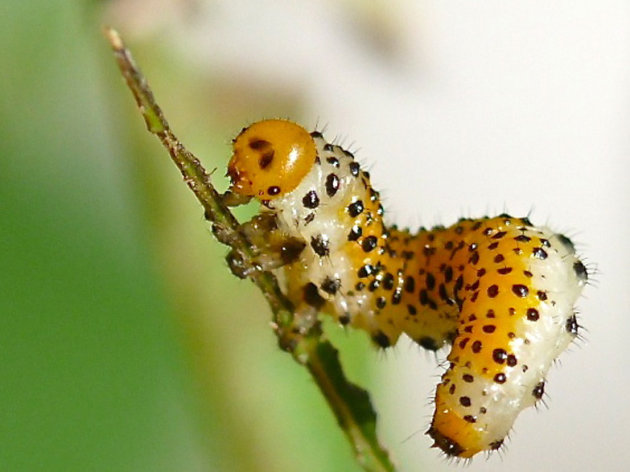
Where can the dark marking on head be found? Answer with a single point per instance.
(265, 159)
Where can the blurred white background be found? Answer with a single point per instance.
(464, 109)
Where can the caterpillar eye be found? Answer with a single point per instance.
(270, 158)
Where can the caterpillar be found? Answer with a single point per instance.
(500, 291)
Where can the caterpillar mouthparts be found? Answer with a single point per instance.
(500, 290)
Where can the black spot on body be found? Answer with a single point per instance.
(355, 208)
(448, 274)
(572, 325)
(426, 300)
(511, 360)
(474, 258)
(499, 356)
(273, 190)
(476, 347)
(410, 284)
(532, 314)
(381, 302)
(332, 184)
(493, 290)
(539, 253)
(355, 233)
(520, 290)
(388, 281)
(333, 161)
(430, 281)
(496, 445)
(354, 168)
(500, 378)
(311, 200)
(365, 270)
(319, 244)
(539, 390)
(465, 401)
(369, 243)
(331, 285)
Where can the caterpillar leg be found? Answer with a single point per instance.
(273, 247)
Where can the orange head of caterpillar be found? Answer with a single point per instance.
(270, 158)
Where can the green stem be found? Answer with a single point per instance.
(350, 404)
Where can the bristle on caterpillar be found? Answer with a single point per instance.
(499, 290)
